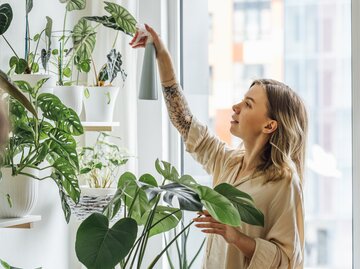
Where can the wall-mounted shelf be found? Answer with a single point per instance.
(24, 222)
(99, 126)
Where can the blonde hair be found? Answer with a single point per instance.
(285, 150)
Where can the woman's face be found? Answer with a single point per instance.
(250, 115)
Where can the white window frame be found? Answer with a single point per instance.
(355, 66)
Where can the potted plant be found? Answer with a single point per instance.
(100, 166)
(65, 58)
(100, 246)
(99, 100)
(35, 141)
(28, 67)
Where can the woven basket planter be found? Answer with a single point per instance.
(92, 200)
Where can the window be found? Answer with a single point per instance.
(306, 44)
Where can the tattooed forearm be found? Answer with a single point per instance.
(179, 112)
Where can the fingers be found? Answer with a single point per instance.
(154, 35)
(205, 219)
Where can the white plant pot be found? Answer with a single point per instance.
(23, 191)
(99, 103)
(32, 79)
(71, 96)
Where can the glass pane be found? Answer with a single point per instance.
(306, 44)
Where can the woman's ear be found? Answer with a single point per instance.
(270, 127)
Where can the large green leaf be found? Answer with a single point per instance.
(64, 145)
(243, 203)
(10, 88)
(68, 174)
(165, 219)
(188, 199)
(99, 247)
(72, 124)
(52, 108)
(74, 4)
(167, 171)
(6, 16)
(84, 38)
(122, 17)
(219, 207)
(128, 184)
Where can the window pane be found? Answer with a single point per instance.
(306, 44)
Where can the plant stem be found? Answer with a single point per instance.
(17, 56)
(168, 245)
(30, 175)
(116, 37)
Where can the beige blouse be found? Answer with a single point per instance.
(280, 243)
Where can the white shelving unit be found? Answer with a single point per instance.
(99, 126)
(24, 223)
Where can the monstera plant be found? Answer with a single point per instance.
(145, 203)
(49, 139)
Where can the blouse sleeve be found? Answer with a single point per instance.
(283, 245)
(207, 149)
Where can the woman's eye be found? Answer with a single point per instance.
(247, 104)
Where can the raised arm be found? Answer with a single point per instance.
(179, 112)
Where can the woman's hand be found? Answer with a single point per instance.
(231, 235)
(212, 226)
(140, 40)
(166, 68)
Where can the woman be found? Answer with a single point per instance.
(271, 120)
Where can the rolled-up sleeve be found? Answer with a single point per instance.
(283, 245)
(206, 148)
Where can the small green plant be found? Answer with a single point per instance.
(30, 63)
(100, 165)
(147, 204)
(34, 140)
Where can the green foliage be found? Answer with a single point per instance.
(50, 138)
(120, 19)
(141, 202)
(101, 163)
(106, 246)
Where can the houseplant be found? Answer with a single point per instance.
(100, 99)
(99, 169)
(65, 57)
(49, 140)
(98, 246)
(27, 68)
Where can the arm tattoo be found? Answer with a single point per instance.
(179, 112)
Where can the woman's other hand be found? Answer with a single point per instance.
(211, 226)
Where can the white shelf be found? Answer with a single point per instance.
(99, 126)
(25, 222)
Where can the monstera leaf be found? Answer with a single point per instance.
(11, 89)
(6, 16)
(74, 4)
(84, 38)
(188, 199)
(99, 247)
(243, 202)
(165, 219)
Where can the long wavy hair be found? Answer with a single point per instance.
(285, 151)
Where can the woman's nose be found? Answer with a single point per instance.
(236, 108)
